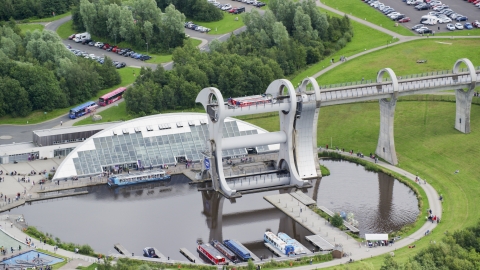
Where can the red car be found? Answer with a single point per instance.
(232, 10)
(72, 36)
(106, 46)
(402, 20)
(115, 48)
(476, 24)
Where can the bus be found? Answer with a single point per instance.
(111, 97)
(82, 109)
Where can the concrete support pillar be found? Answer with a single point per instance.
(386, 144)
(463, 99)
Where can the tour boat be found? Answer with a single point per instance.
(137, 178)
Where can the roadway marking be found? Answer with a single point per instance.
(444, 43)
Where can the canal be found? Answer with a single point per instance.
(173, 215)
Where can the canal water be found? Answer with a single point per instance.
(173, 215)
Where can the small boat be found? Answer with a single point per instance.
(149, 252)
(213, 255)
(224, 250)
(137, 178)
(297, 247)
(272, 239)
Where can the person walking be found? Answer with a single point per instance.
(61, 123)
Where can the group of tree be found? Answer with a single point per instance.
(457, 251)
(138, 22)
(23, 9)
(37, 72)
(278, 43)
(199, 10)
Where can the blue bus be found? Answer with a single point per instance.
(82, 109)
(238, 249)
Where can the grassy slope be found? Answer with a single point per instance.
(363, 38)
(51, 19)
(402, 59)
(30, 27)
(38, 116)
(65, 30)
(426, 143)
(225, 25)
(361, 10)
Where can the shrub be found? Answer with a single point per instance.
(337, 220)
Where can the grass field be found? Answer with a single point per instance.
(440, 55)
(225, 25)
(38, 116)
(363, 38)
(426, 143)
(51, 19)
(361, 10)
(30, 27)
(65, 30)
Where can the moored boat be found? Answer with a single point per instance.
(298, 248)
(224, 250)
(211, 254)
(137, 178)
(150, 252)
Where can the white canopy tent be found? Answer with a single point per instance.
(376, 236)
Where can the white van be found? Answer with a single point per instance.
(81, 37)
(430, 20)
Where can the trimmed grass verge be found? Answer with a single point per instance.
(361, 10)
(51, 19)
(471, 32)
(65, 30)
(30, 27)
(38, 116)
(225, 25)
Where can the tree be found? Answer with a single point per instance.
(390, 264)
(15, 98)
(337, 220)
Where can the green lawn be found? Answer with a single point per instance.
(65, 30)
(426, 143)
(363, 11)
(440, 53)
(30, 27)
(51, 19)
(363, 38)
(38, 116)
(225, 25)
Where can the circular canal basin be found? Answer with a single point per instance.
(174, 214)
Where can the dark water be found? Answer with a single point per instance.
(176, 215)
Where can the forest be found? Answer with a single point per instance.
(37, 72)
(23, 9)
(277, 44)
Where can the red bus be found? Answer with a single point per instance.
(111, 97)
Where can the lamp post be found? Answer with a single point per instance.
(147, 47)
(115, 39)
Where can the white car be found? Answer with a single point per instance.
(445, 20)
(394, 15)
(227, 7)
(459, 26)
(98, 44)
(450, 27)
(421, 29)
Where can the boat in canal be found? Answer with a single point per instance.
(137, 178)
(272, 239)
(213, 255)
(297, 247)
(238, 249)
(150, 252)
(224, 250)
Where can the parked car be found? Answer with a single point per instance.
(121, 65)
(259, 4)
(91, 43)
(86, 41)
(468, 26)
(476, 24)
(109, 49)
(232, 10)
(106, 46)
(417, 26)
(404, 20)
(115, 48)
(239, 10)
(98, 44)
(450, 27)
(145, 57)
(461, 18)
(72, 36)
(459, 26)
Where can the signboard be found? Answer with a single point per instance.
(206, 162)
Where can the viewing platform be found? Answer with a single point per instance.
(349, 226)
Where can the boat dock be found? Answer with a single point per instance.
(254, 257)
(190, 256)
(311, 221)
(159, 254)
(320, 242)
(274, 250)
(303, 198)
(121, 249)
(349, 226)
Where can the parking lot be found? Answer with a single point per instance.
(459, 6)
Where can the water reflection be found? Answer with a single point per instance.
(174, 214)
